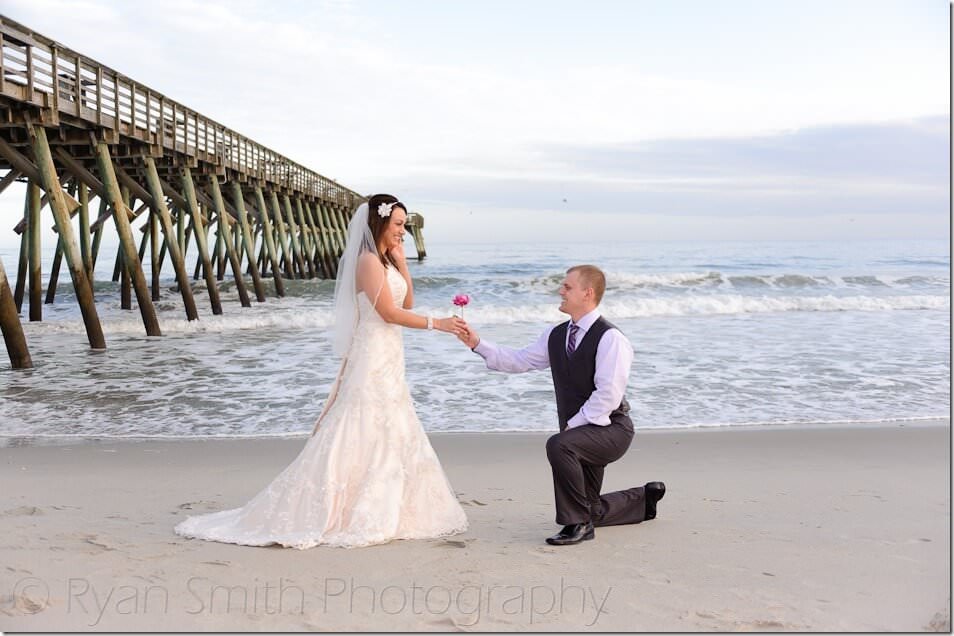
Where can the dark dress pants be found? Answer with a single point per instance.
(577, 457)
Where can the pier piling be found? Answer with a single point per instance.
(171, 237)
(247, 240)
(10, 326)
(32, 236)
(132, 264)
(201, 241)
(61, 213)
(229, 244)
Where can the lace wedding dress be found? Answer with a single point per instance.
(367, 475)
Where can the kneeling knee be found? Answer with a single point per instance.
(555, 445)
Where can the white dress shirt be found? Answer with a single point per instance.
(614, 357)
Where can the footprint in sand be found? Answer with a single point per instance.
(446, 623)
(207, 505)
(453, 543)
(97, 541)
(21, 511)
(152, 579)
(762, 626)
(21, 604)
(941, 622)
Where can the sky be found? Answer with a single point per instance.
(556, 120)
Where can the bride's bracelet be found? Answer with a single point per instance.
(430, 323)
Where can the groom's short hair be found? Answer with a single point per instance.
(592, 277)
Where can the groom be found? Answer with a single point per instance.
(589, 359)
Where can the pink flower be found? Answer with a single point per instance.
(461, 300)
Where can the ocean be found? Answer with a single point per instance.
(725, 334)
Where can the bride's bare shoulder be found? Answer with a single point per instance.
(370, 271)
(370, 262)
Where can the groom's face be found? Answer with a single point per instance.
(574, 294)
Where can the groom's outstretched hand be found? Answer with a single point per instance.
(468, 336)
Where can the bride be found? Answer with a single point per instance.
(368, 473)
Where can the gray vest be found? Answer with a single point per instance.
(573, 377)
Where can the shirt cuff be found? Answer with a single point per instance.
(481, 349)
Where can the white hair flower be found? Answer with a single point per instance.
(384, 210)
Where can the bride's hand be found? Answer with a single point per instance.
(397, 253)
(452, 324)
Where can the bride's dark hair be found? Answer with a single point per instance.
(379, 223)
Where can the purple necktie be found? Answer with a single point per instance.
(571, 343)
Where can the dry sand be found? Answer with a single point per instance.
(784, 529)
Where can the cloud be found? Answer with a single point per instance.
(889, 168)
(911, 151)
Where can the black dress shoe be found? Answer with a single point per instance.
(573, 533)
(655, 490)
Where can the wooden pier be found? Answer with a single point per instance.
(101, 149)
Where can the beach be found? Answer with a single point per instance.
(825, 528)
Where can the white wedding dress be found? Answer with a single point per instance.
(367, 475)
